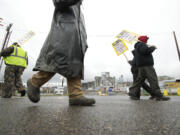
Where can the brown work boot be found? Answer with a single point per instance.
(33, 93)
(81, 101)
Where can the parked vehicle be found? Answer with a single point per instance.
(59, 91)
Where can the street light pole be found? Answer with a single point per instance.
(7, 35)
(177, 47)
(1, 21)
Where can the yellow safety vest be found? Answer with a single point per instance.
(17, 58)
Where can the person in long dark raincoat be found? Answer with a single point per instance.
(63, 52)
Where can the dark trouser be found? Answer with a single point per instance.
(145, 86)
(148, 73)
(12, 80)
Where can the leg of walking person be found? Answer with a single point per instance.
(135, 75)
(18, 81)
(135, 88)
(154, 85)
(34, 84)
(153, 81)
(74, 87)
(146, 87)
(9, 82)
(76, 96)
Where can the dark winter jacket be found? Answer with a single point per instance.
(6, 52)
(64, 49)
(143, 54)
(134, 68)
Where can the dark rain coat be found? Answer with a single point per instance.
(143, 54)
(134, 68)
(64, 49)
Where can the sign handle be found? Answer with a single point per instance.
(126, 57)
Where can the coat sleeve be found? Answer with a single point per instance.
(145, 50)
(7, 51)
(64, 3)
(130, 62)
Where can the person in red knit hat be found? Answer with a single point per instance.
(143, 39)
(145, 62)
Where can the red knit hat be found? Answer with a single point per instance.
(143, 39)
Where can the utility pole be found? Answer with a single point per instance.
(6, 36)
(5, 40)
(1, 21)
(62, 81)
(177, 47)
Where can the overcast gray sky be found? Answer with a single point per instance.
(104, 20)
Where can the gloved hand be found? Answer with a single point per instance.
(130, 62)
(154, 46)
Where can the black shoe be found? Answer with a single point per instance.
(163, 98)
(82, 101)
(23, 93)
(33, 93)
(152, 98)
(134, 98)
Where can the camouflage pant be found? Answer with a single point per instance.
(12, 80)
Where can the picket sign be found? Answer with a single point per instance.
(25, 38)
(120, 44)
(128, 36)
(119, 47)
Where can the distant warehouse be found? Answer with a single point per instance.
(172, 84)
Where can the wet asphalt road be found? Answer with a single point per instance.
(112, 115)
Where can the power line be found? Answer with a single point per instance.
(97, 35)
(3, 28)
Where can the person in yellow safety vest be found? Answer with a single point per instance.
(16, 61)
